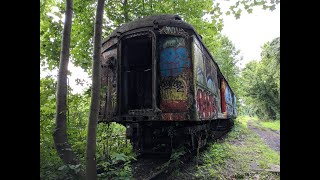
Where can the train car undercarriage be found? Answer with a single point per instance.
(163, 137)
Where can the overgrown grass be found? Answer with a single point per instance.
(234, 156)
(275, 125)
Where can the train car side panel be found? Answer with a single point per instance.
(206, 84)
(109, 79)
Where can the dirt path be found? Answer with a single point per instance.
(239, 156)
(271, 137)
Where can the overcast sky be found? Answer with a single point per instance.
(248, 34)
(251, 31)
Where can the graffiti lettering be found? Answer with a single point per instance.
(173, 31)
(177, 83)
(206, 106)
(173, 42)
(173, 89)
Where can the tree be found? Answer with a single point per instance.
(261, 82)
(91, 166)
(60, 133)
(226, 55)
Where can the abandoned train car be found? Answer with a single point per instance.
(160, 81)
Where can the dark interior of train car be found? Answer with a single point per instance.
(136, 73)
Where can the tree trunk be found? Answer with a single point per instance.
(125, 11)
(91, 166)
(60, 133)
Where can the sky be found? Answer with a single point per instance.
(248, 34)
(251, 31)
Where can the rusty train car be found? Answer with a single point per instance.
(160, 81)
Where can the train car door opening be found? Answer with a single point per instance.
(136, 73)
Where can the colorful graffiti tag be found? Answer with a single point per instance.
(174, 94)
(173, 57)
(174, 66)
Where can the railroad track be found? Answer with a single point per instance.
(156, 166)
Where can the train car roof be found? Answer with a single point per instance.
(162, 20)
(150, 21)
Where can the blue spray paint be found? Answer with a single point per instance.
(173, 61)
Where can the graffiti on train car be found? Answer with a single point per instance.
(205, 104)
(174, 66)
(211, 74)
(173, 31)
(229, 101)
(174, 93)
(173, 61)
(206, 99)
(198, 61)
(174, 89)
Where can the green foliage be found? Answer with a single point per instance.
(51, 166)
(50, 33)
(261, 83)
(112, 147)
